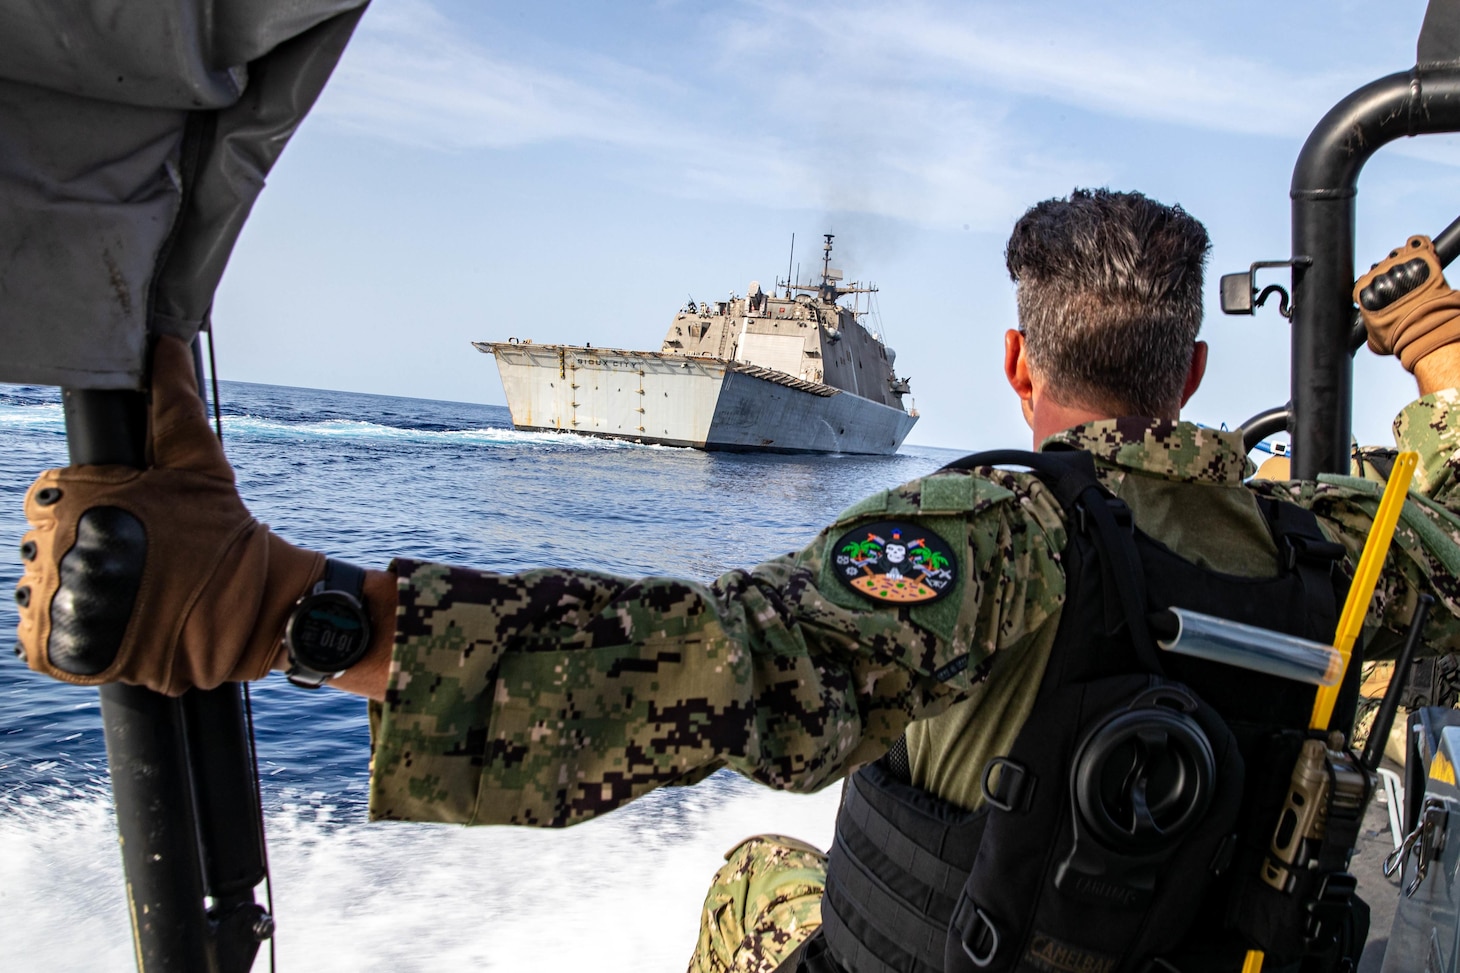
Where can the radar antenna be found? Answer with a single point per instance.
(788, 265)
(830, 289)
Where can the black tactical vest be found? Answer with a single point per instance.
(1125, 829)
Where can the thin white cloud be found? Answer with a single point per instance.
(411, 75)
(918, 112)
(774, 133)
(1112, 61)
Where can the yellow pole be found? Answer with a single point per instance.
(1366, 577)
(1356, 607)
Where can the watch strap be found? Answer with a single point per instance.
(343, 576)
(306, 678)
(338, 576)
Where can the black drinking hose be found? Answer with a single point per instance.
(1384, 721)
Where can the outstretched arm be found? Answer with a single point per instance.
(549, 696)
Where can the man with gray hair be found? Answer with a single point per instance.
(1110, 299)
(548, 697)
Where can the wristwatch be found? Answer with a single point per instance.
(328, 631)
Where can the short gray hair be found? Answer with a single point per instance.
(1110, 297)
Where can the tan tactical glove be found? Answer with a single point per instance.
(158, 577)
(1408, 308)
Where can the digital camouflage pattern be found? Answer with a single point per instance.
(763, 903)
(551, 696)
(1374, 463)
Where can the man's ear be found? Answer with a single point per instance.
(1016, 370)
(1195, 372)
(1016, 364)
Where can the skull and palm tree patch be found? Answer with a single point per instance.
(895, 562)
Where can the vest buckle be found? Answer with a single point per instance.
(1120, 512)
(1015, 787)
(1297, 549)
(980, 940)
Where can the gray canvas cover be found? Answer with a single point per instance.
(134, 138)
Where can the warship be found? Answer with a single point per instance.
(793, 371)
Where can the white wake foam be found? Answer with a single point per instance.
(49, 417)
(46, 416)
(256, 427)
(622, 893)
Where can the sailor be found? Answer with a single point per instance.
(548, 697)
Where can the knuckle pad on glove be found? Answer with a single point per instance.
(1396, 295)
(99, 579)
(38, 510)
(1391, 286)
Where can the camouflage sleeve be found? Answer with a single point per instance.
(1431, 427)
(1425, 554)
(548, 697)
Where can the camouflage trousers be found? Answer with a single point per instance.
(764, 902)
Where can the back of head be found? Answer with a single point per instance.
(1110, 298)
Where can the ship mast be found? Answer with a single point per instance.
(828, 290)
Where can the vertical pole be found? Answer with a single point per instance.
(146, 754)
(229, 823)
(1325, 182)
(146, 744)
(188, 816)
(225, 788)
(1322, 366)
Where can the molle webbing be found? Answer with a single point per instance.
(902, 860)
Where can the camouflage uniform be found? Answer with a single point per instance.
(1432, 682)
(548, 697)
(761, 905)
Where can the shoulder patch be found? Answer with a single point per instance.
(895, 562)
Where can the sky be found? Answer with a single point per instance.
(574, 172)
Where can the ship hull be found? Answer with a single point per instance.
(703, 403)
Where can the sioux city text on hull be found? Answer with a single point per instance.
(792, 371)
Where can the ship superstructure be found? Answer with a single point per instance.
(789, 371)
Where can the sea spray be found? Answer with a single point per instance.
(364, 478)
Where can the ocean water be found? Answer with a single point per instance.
(364, 478)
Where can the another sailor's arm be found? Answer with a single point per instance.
(1421, 326)
(1431, 426)
(1438, 370)
(1425, 557)
(548, 697)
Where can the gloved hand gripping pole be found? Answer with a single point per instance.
(188, 818)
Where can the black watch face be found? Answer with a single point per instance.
(328, 632)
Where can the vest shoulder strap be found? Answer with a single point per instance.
(1094, 511)
(1068, 473)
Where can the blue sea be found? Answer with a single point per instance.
(365, 478)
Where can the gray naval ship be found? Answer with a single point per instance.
(793, 371)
